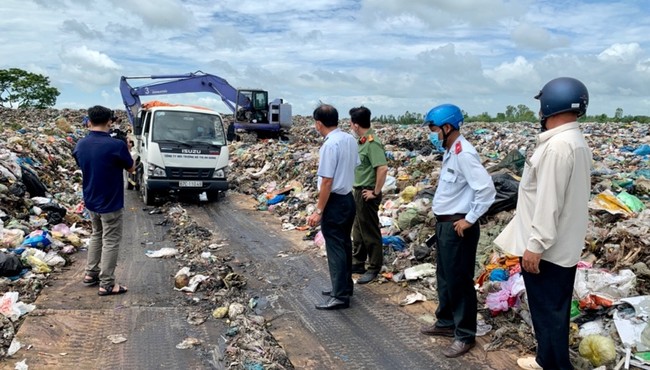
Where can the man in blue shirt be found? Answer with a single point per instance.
(102, 160)
(335, 210)
(465, 192)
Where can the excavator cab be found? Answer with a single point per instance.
(252, 106)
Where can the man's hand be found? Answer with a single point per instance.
(460, 226)
(368, 194)
(530, 261)
(313, 219)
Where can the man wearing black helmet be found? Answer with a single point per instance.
(550, 223)
(465, 192)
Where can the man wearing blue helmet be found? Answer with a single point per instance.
(550, 224)
(465, 192)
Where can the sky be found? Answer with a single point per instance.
(391, 56)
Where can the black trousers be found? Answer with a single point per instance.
(549, 299)
(366, 233)
(456, 258)
(336, 225)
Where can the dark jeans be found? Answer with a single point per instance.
(366, 233)
(456, 257)
(336, 225)
(549, 299)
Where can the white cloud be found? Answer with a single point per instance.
(514, 74)
(534, 37)
(621, 53)
(167, 14)
(87, 67)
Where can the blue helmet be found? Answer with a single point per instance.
(564, 94)
(442, 114)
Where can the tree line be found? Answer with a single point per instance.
(520, 113)
(22, 89)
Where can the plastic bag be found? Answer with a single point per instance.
(631, 201)
(10, 264)
(507, 193)
(395, 241)
(11, 308)
(11, 238)
(598, 349)
(607, 201)
(39, 239)
(408, 194)
(38, 265)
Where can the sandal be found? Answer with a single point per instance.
(90, 280)
(108, 290)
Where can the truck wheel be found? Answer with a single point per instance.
(147, 196)
(214, 196)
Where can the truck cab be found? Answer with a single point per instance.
(180, 149)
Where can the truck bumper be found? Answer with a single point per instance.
(165, 185)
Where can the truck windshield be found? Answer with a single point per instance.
(188, 127)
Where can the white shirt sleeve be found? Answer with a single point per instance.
(480, 181)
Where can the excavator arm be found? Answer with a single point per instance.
(176, 84)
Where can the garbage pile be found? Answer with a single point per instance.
(612, 277)
(218, 293)
(41, 221)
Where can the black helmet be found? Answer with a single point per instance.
(564, 94)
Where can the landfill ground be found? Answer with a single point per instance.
(71, 325)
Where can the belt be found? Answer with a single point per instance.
(450, 218)
(364, 187)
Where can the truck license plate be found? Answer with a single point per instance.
(190, 184)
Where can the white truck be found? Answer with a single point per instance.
(178, 149)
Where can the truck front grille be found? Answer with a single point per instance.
(189, 173)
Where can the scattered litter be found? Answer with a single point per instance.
(188, 343)
(162, 252)
(412, 298)
(419, 271)
(117, 338)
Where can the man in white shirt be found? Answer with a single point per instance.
(550, 223)
(465, 192)
(335, 210)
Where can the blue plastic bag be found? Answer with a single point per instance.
(275, 200)
(642, 150)
(41, 240)
(395, 242)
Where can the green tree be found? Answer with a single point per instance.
(525, 114)
(618, 115)
(26, 90)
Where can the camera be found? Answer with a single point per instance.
(113, 117)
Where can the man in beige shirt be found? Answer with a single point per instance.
(550, 224)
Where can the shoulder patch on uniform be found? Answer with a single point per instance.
(458, 147)
(370, 138)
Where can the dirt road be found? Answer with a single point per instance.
(70, 327)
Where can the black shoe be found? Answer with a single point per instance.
(367, 277)
(329, 292)
(333, 304)
(438, 331)
(358, 269)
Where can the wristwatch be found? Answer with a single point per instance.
(375, 194)
(318, 211)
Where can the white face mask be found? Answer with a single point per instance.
(354, 131)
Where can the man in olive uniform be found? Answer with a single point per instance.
(369, 179)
